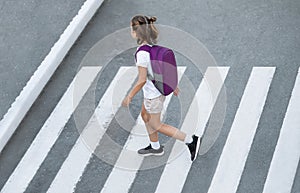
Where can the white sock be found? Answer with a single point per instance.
(155, 145)
(188, 139)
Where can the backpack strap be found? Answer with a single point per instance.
(146, 48)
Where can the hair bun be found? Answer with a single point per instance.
(152, 19)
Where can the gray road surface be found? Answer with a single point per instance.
(239, 34)
(28, 30)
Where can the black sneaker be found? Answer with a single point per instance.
(150, 151)
(194, 146)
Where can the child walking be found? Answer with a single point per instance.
(144, 31)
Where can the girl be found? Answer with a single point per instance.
(144, 31)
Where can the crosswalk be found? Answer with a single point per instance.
(287, 151)
(180, 166)
(175, 170)
(91, 135)
(239, 141)
(48, 134)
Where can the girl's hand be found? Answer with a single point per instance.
(137, 87)
(126, 101)
(176, 91)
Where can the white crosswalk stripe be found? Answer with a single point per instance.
(287, 153)
(50, 131)
(73, 167)
(179, 162)
(236, 149)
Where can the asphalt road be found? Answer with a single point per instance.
(238, 34)
(28, 30)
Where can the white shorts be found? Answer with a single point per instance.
(155, 105)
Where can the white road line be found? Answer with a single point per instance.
(286, 156)
(179, 162)
(41, 76)
(38, 150)
(238, 144)
(128, 163)
(74, 165)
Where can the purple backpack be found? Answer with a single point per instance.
(164, 68)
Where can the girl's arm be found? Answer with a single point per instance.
(138, 85)
(176, 91)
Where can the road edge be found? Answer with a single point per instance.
(44, 72)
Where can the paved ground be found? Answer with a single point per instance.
(239, 34)
(28, 31)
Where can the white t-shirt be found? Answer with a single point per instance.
(143, 60)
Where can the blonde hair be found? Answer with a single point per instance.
(145, 29)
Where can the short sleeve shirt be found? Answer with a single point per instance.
(143, 60)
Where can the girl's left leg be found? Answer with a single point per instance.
(152, 121)
(193, 142)
(165, 129)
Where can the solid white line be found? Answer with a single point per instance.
(128, 163)
(179, 162)
(73, 166)
(236, 149)
(286, 156)
(39, 148)
(41, 76)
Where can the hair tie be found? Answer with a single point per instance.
(145, 17)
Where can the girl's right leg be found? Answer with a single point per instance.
(154, 148)
(153, 134)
